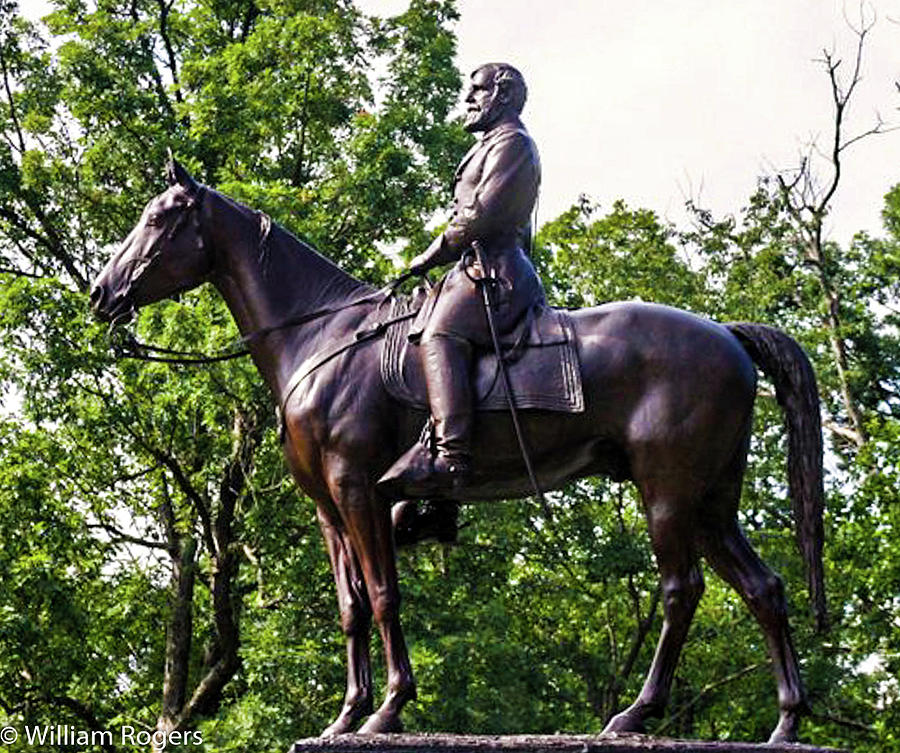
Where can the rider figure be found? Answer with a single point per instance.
(496, 187)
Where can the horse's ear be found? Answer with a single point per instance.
(177, 175)
(171, 178)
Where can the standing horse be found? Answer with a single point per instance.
(668, 404)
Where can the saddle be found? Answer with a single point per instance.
(542, 364)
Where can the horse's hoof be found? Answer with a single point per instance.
(380, 723)
(787, 731)
(338, 727)
(626, 722)
(348, 720)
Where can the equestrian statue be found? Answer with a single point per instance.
(384, 402)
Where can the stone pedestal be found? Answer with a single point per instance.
(444, 743)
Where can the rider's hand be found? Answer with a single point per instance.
(425, 261)
(419, 265)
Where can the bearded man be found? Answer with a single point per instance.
(495, 191)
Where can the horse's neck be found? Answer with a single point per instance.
(266, 277)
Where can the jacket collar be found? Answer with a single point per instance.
(504, 128)
(488, 138)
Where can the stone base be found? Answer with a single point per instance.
(444, 743)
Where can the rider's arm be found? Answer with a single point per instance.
(503, 198)
(501, 201)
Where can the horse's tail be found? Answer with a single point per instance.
(785, 363)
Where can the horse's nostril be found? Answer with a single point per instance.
(97, 295)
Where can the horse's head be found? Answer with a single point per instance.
(164, 254)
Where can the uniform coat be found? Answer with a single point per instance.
(495, 190)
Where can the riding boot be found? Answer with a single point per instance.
(437, 466)
(448, 365)
(435, 519)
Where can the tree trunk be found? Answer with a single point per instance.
(179, 635)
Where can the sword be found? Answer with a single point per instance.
(486, 290)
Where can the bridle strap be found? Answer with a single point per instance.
(318, 360)
(135, 349)
(147, 259)
(381, 295)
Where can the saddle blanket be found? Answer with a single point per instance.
(543, 367)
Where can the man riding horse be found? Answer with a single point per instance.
(496, 187)
(668, 405)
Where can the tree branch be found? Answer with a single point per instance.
(843, 432)
(850, 723)
(808, 205)
(299, 178)
(55, 245)
(247, 434)
(707, 689)
(18, 222)
(164, 9)
(154, 71)
(181, 480)
(121, 536)
(167, 512)
(83, 712)
(21, 273)
(179, 632)
(11, 102)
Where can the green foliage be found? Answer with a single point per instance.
(840, 303)
(627, 254)
(123, 483)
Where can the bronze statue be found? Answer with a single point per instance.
(495, 190)
(667, 403)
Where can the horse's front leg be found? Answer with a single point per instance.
(356, 622)
(368, 523)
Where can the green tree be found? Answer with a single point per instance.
(191, 560)
(774, 263)
(158, 566)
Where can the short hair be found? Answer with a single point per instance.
(510, 81)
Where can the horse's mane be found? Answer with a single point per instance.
(274, 239)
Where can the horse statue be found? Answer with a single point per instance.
(668, 403)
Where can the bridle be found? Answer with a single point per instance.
(128, 346)
(147, 260)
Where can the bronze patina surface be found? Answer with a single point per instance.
(494, 193)
(668, 404)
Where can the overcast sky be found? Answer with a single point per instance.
(655, 101)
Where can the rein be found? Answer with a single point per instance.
(133, 348)
(381, 294)
(130, 347)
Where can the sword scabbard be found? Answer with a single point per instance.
(487, 283)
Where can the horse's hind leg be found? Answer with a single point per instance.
(670, 522)
(356, 622)
(731, 555)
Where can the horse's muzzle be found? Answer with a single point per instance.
(118, 309)
(98, 294)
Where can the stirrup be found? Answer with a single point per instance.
(419, 475)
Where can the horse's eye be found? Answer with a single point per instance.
(154, 219)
